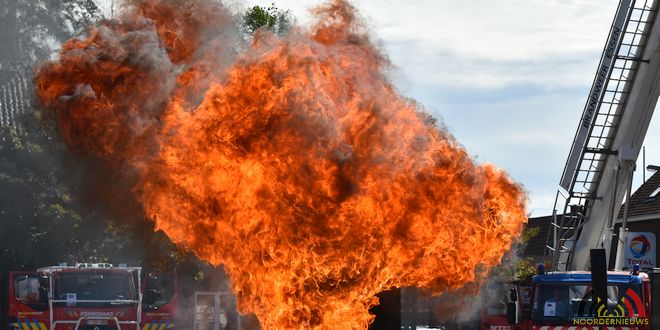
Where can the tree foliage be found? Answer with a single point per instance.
(529, 233)
(32, 28)
(44, 218)
(272, 18)
(514, 267)
(52, 207)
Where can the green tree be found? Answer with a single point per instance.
(272, 18)
(53, 209)
(32, 28)
(40, 222)
(525, 268)
(48, 211)
(513, 267)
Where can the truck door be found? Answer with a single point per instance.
(28, 301)
(159, 301)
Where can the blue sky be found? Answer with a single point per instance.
(508, 78)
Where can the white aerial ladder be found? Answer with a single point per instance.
(599, 169)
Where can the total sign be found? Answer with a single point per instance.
(640, 249)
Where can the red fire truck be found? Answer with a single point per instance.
(92, 297)
(565, 300)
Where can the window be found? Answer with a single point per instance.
(26, 289)
(566, 301)
(29, 290)
(103, 287)
(158, 290)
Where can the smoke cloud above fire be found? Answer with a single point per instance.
(291, 160)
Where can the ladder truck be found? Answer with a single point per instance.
(596, 179)
(579, 292)
(598, 173)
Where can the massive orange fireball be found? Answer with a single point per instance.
(292, 161)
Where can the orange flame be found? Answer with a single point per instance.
(293, 162)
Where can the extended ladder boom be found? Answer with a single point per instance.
(609, 137)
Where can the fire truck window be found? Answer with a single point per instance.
(28, 290)
(158, 290)
(496, 299)
(613, 294)
(95, 286)
(566, 301)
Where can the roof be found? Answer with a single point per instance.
(536, 245)
(641, 205)
(612, 277)
(88, 267)
(641, 202)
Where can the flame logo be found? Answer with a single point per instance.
(292, 161)
(639, 246)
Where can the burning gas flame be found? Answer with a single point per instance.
(292, 161)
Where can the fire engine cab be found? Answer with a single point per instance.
(95, 296)
(567, 300)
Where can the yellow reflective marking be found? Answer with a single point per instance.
(34, 326)
(42, 326)
(25, 326)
